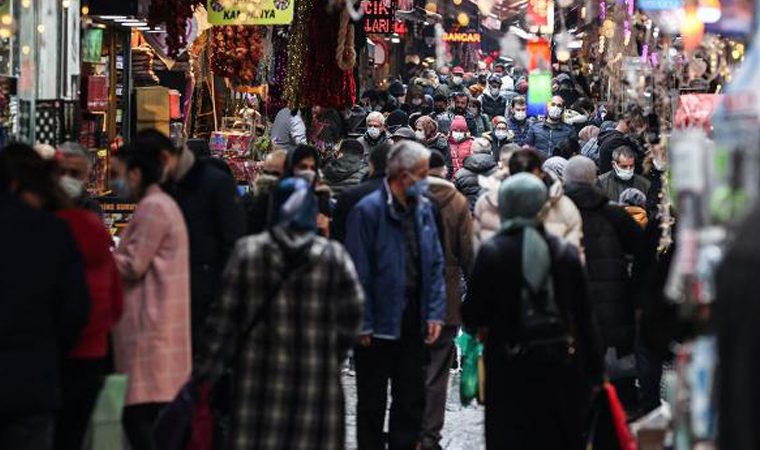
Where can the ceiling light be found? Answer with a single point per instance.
(113, 17)
(134, 24)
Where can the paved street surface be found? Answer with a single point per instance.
(463, 429)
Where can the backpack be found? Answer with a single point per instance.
(544, 331)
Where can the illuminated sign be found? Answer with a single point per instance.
(379, 16)
(471, 38)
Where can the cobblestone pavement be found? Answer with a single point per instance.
(463, 429)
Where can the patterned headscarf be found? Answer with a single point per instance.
(587, 133)
(294, 205)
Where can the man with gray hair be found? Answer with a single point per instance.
(622, 175)
(375, 134)
(75, 167)
(610, 238)
(394, 242)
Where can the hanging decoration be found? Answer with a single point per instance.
(176, 16)
(298, 54)
(236, 52)
(346, 53)
(278, 70)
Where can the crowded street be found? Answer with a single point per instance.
(379, 224)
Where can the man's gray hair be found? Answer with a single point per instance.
(406, 156)
(377, 117)
(623, 151)
(71, 148)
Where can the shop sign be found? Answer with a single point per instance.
(92, 45)
(250, 12)
(470, 38)
(379, 16)
(539, 92)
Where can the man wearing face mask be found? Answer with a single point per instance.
(622, 175)
(546, 135)
(493, 100)
(215, 219)
(394, 242)
(375, 134)
(441, 114)
(456, 84)
(417, 101)
(625, 133)
(518, 123)
(462, 105)
(75, 167)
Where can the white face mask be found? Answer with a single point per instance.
(458, 136)
(623, 174)
(501, 134)
(420, 135)
(457, 80)
(73, 187)
(555, 112)
(495, 92)
(416, 101)
(308, 175)
(520, 115)
(373, 132)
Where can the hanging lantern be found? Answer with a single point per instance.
(463, 19)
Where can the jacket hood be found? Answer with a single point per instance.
(605, 134)
(341, 169)
(444, 191)
(479, 163)
(586, 196)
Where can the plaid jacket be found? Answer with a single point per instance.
(288, 393)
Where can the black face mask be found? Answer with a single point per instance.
(439, 109)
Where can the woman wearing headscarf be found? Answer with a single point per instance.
(302, 295)
(304, 162)
(427, 132)
(538, 383)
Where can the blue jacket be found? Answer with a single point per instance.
(520, 129)
(544, 137)
(375, 240)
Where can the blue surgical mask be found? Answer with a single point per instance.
(121, 189)
(419, 188)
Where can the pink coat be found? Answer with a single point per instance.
(459, 152)
(152, 340)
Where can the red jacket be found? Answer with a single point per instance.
(103, 282)
(459, 152)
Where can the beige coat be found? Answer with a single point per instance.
(152, 339)
(560, 216)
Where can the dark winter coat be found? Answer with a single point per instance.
(612, 186)
(493, 107)
(608, 141)
(545, 136)
(520, 129)
(441, 143)
(532, 404)
(44, 305)
(737, 311)
(287, 385)
(346, 201)
(344, 173)
(496, 145)
(368, 143)
(466, 180)
(609, 235)
(456, 224)
(215, 220)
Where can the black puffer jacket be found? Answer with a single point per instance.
(440, 143)
(466, 180)
(493, 107)
(341, 174)
(610, 236)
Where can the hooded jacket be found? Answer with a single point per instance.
(610, 234)
(457, 242)
(493, 106)
(561, 217)
(458, 153)
(466, 180)
(343, 173)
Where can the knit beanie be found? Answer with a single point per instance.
(580, 170)
(396, 120)
(459, 124)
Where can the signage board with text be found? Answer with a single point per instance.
(250, 12)
(379, 16)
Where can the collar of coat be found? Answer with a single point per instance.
(392, 208)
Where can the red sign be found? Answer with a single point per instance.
(379, 16)
(472, 38)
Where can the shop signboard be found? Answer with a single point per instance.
(468, 37)
(380, 16)
(92, 45)
(250, 12)
(539, 92)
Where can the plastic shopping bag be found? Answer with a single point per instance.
(472, 350)
(105, 431)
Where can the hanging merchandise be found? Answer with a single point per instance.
(236, 52)
(298, 53)
(278, 70)
(177, 17)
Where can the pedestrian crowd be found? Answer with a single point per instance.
(442, 208)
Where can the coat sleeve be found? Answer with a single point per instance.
(224, 320)
(359, 241)
(530, 137)
(136, 251)
(298, 129)
(437, 306)
(117, 292)
(574, 234)
(230, 216)
(349, 301)
(72, 304)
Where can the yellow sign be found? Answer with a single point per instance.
(250, 12)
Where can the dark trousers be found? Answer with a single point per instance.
(27, 431)
(401, 362)
(138, 423)
(82, 380)
(437, 386)
(650, 376)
